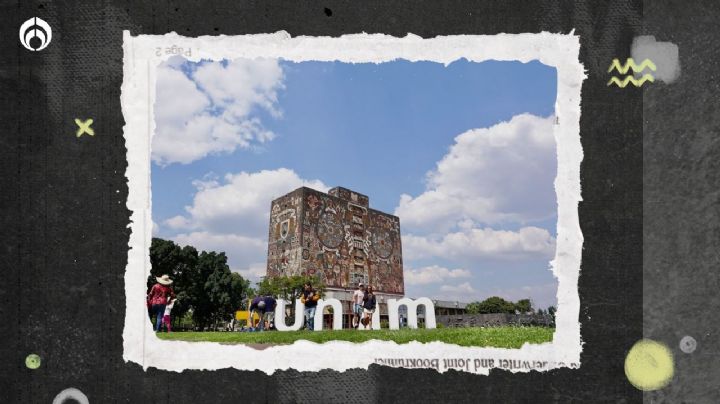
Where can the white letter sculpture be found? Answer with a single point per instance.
(337, 313)
(394, 312)
(280, 316)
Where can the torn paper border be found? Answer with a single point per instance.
(142, 56)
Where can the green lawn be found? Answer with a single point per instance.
(501, 337)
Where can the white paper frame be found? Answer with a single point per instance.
(144, 53)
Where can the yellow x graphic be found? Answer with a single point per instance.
(84, 127)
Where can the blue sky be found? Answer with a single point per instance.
(459, 152)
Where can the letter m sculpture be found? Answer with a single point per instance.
(412, 305)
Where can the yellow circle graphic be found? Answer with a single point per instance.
(649, 365)
(32, 361)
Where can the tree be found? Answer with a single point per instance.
(289, 288)
(523, 306)
(492, 304)
(240, 290)
(473, 308)
(203, 283)
(216, 295)
(497, 304)
(551, 311)
(179, 263)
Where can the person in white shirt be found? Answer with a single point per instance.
(357, 302)
(166, 317)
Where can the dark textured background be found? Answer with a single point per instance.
(65, 221)
(681, 201)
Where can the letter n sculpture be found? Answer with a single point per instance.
(280, 316)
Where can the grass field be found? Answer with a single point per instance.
(501, 337)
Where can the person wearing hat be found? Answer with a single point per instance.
(357, 302)
(160, 294)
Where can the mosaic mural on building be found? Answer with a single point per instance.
(284, 250)
(337, 237)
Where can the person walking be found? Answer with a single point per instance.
(357, 302)
(369, 306)
(309, 298)
(158, 298)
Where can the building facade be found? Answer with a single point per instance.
(338, 238)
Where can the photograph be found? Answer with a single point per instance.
(405, 202)
(339, 189)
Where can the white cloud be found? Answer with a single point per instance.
(490, 175)
(241, 85)
(254, 272)
(461, 290)
(481, 243)
(210, 112)
(232, 215)
(479, 206)
(177, 222)
(203, 240)
(177, 97)
(240, 203)
(433, 275)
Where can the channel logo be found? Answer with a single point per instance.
(35, 34)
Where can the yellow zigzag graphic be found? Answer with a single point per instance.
(631, 64)
(630, 79)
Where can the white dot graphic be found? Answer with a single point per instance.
(71, 393)
(688, 344)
